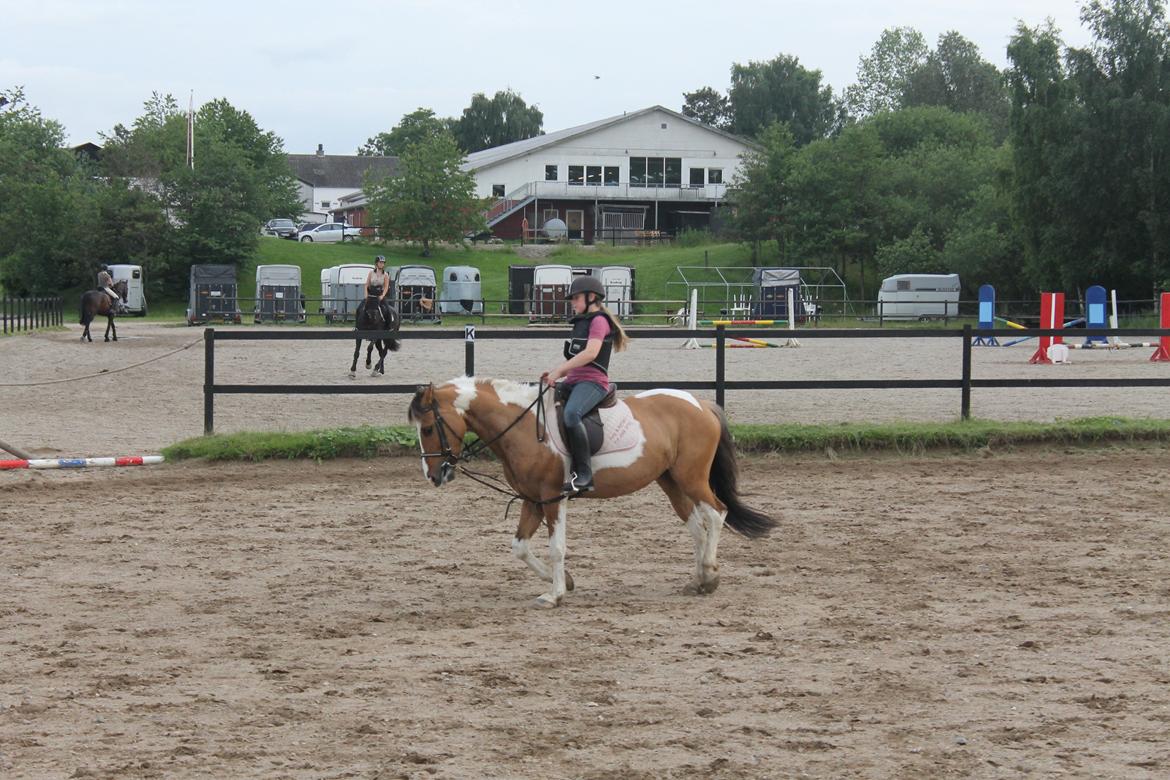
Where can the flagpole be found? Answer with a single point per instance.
(191, 131)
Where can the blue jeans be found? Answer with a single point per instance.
(583, 396)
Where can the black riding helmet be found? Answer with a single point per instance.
(587, 284)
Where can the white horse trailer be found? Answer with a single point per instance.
(278, 293)
(347, 290)
(550, 290)
(325, 296)
(135, 292)
(919, 297)
(462, 291)
(618, 282)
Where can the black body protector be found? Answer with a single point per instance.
(579, 338)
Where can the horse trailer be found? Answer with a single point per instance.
(347, 290)
(462, 291)
(519, 288)
(135, 290)
(278, 294)
(618, 282)
(550, 290)
(325, 296)
(213, 294)
(414, 286)
(770, 296)
(919, 297)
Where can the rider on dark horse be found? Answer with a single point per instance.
(106, 285)
(378, 286)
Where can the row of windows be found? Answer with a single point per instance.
(644, 172)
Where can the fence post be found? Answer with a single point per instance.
(208, 381)
(469, 350)
(4, 312)
(965, 411)
(720, 341)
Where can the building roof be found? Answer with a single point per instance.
(339, 170)
(498, 154)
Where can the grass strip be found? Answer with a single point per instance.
(903, 437)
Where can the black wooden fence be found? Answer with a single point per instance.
(964, 382)
(24, 314)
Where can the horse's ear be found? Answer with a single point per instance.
(426, 395)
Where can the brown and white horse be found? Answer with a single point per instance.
(679, 442)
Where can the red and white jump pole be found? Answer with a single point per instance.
(1051, 317)
(1162, 353)
(79, 463)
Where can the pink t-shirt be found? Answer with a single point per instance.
(598, 329)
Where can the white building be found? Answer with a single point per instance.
(324, 179)
(650, 172)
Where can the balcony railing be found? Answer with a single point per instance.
(622, 191)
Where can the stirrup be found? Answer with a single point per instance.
(571, 488)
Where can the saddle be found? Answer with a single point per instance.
(593, 424)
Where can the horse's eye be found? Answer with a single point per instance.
(427, 431)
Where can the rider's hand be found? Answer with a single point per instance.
(550, 377)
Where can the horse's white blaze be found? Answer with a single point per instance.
(465, 392)
(682, 395)
(421, 448)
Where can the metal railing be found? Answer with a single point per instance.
(26, 314)
(964, 383)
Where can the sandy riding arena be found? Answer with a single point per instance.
(966, 616)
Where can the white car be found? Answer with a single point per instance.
(328, 232)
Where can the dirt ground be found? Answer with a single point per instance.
(143, 409)
(974, 616)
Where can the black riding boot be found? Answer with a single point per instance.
(581, 477)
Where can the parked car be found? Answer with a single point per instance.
(329, 232)
(283, 228)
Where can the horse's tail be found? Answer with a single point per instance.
(85, 317)
(394, 323)
(723, 480)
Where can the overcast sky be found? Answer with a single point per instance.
(336, 74)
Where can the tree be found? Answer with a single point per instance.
(882, 77)
(431, 199)
(241, 178)
(760, 199)
(781, 90)
(708, 106)
(49, 198)
(956, 76)
(501, 119)
(1091, 136)
(416, 126)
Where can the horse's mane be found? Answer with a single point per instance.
(508, 391)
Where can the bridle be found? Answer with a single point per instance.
(453, 461)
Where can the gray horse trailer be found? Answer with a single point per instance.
(462, 291)
(278, 294)
(213, 294)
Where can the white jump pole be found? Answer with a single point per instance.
(693, 320)
(792, 341)
(1113, 317)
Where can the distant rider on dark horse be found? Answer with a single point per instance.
(378, 286)
(106, 285)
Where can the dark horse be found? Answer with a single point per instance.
(370, 317)
(95, 303)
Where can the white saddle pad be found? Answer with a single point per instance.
(622, 431)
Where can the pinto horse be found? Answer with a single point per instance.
(370, 317)
(674, 439)
(96, 303)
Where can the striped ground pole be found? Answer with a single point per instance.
(79, 463)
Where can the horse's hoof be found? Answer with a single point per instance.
(701, 588)
(544, 601)
(569, 582)
(353, 375)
